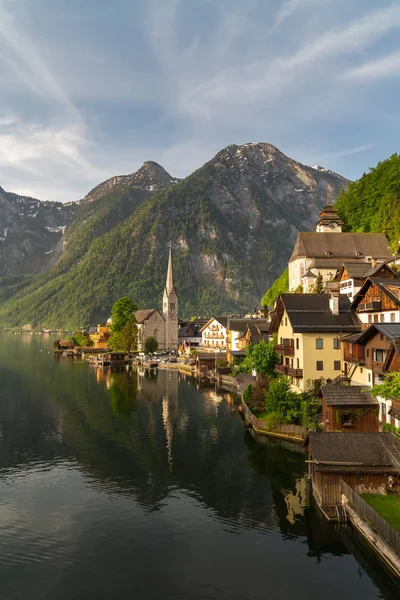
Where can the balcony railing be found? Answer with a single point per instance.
(284, 349)
(377, 367)
(294, 372)
(281, 369)
(370, 306)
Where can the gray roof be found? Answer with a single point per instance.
(189, 331)
(311, 313)
(341, 245)
(382, 283)
(357, 270)
(363, 449)
(144, 314)
(389, 330)
(348, 395)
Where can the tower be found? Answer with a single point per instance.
(329, 220)
(170, 308)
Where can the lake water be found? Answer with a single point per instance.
(119, 486)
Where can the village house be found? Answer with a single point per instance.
(190, 338)
(392, 365)
(352, 275)
(236, 331)
(308, 328)
(255, 332)
(215, 334)
(100, 335)
(365, 358)
(349, 408)
(367, 462)
(378, 301)
(325, 250)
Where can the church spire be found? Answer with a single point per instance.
(169, 286)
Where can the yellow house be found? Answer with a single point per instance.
(308, 327)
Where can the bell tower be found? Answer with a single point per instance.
(329, 220)
(170, 308)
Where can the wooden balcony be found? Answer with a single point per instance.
(370, 306)
(377, 367)
(284, 349)
(294, 372)
(281, 369)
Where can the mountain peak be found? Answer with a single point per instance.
(150, 176)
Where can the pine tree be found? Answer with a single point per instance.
(319, 286)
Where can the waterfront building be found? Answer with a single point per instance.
(326, 249)
(309, 327)
(163, 327)
(367, 462)
(189, 337)
(214, 334)
(100, 335)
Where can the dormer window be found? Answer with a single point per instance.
(328, 252)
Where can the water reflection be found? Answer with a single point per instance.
(160, 462)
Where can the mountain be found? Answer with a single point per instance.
(233, 224)
(31, 232)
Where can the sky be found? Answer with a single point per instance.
(90, 89)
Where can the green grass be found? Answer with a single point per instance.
(387, 506)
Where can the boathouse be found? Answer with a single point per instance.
(367, 462)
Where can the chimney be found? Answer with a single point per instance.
(334, 304)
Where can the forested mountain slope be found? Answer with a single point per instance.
(232, 223)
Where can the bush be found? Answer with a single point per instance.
(280, 399)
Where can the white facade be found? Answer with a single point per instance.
(214, 335)
(392, 316)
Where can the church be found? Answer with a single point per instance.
(324, 251)
(163, 327)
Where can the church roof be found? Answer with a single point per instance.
(146, 313)
(340, 246)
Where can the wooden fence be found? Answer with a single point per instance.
(374, 520)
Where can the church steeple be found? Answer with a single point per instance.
(329, 220)
(169, 285)
(170, 307)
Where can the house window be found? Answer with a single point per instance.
(392, 317)
(376, 318)
(285, 321)
(361, 370)
(297, 343)
(369, 318)
(320, 365)
(369, 377)
(319, 343)
(346, 419)
(172, 305)
(378, 355)
(336, 343)
(298, 363)
(382, 336)
(336, 365)
(382, 318)
(383, 410)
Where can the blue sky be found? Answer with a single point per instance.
(92, 88)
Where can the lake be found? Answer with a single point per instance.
(121, 486)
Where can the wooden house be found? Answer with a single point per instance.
(367, 462)
(392, 365)
(378, 301)
(351, 275)
(349, 408)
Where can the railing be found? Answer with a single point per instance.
(284, 349)
(366, 306)
(377, 367)
(378, 523)
(282, 369)
(294, 372)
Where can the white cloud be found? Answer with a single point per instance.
(8, 120)
(387, 66)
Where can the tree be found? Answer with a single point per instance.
(125, 340)
(254, 395)
(264, 358)
(319, 285)
(80, 339)
(121, 312)
(390, 388)
(280, 399)
(279, 286)
(151, 344)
